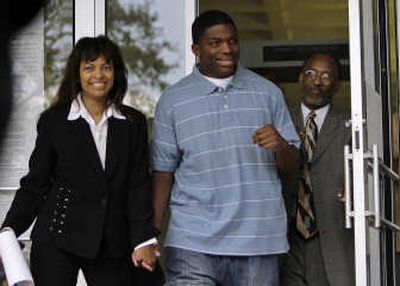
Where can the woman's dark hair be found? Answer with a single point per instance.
(89, 49)
(208, 19)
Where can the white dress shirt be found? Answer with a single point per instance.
(320, 114)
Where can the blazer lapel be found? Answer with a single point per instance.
(84, 142)
(327, 133)
(117, 143)
(297, 118)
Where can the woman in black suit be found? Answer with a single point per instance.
(88, 181)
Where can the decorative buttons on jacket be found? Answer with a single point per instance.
(57, 222)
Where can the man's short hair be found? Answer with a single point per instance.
(208, 19)
(330, 55)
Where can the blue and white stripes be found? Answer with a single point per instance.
(227, 195)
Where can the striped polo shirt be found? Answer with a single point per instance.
(226, 198)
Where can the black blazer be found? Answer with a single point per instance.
(77, 203)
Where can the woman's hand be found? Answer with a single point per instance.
(146, 256)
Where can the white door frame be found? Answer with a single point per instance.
(90, 18)
(356, 71)
(191, 11)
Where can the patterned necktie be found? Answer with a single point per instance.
(311, 136)
(305, 219)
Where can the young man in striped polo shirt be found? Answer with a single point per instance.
(222, 134)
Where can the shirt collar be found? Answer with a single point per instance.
(78, 109)
(209, 87)
(220, 82)
(320, 113)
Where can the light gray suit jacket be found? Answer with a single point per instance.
(327, 175)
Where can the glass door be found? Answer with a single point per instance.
(154, 37)
(372, 195)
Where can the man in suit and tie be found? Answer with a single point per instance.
(322, 250)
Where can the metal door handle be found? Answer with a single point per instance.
(347, 189)
(375, 172)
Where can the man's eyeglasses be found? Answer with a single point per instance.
(313, 74)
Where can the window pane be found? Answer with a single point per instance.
(58, 43)
(150, 35)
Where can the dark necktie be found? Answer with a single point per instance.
(305, 215)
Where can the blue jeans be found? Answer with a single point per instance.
(185, 267)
